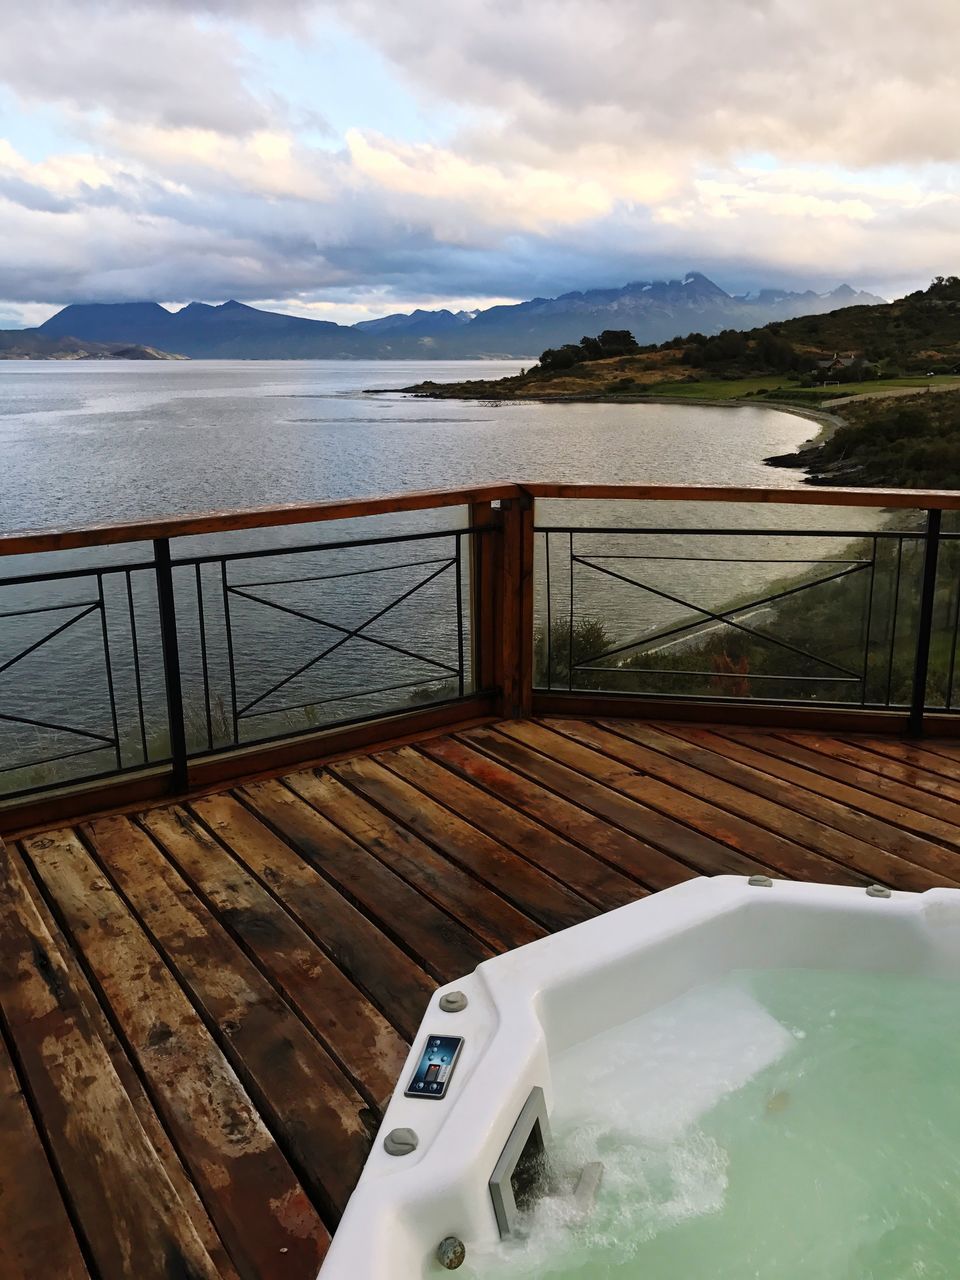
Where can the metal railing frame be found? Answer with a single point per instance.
(498, 621)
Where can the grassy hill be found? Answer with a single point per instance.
(920, 329)
(814, 358)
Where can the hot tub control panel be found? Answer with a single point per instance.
(431, 1079)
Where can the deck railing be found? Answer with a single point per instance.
(151, 658)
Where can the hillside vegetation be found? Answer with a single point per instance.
(812, 358)
(908, 443)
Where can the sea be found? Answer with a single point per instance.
(84, 443)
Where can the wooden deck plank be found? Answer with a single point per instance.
(252, 1195)
(352, 1030)
(592, 879)
(703, 853)
(777, 852)
(37, 1239)
(134, 1226)
(713, 841)
(536, 895)
(439, 942)
(917, 755)
(751, 749)
(802, 750)
(130, 1079)
(315, 1114)
(943, 748)
(845, 850)
(494, 920)
(648, 865)
(713, 756)
(227, 954)
(398, 986)
(850, 752)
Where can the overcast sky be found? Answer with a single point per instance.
(345, 158)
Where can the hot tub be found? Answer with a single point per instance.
(759, 1075)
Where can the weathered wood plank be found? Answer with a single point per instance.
(736, 793)
(29, 541)
(36, 1238)
(493, 920)
(800, 750)
(440, 943)
(249, 1189)
(536, 895)
(898, 770)
(712, 756)
(649, 866)
(592, 879)
(916, 755)
(701, 853)
(783, 855)
(318, 1118)
(396, 984)
(133, 1223)
(761, 753)
(355, 1033)
(149, 1120)
(942, 748)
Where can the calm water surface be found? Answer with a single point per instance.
(85, 443)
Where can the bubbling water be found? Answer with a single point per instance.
(789, 1125)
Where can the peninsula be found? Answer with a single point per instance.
(30, 344)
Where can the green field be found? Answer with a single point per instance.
(722, 388)
(875, 387)
(770, 384)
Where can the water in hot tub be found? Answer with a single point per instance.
(778, 1124)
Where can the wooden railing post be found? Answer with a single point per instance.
(516, 631)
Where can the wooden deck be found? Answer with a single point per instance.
(204, 1006)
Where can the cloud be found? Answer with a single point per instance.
(130, 62)
(511, 197)
(863, 82)
(576, 143)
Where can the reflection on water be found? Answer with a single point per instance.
(86, 443)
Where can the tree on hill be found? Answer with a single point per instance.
(609, 343)
(940, 289)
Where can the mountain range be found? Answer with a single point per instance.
(653, 310)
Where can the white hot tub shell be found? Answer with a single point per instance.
(525, 1007)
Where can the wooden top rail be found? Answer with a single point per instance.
(98, 535)
(809, 496)
(28, 541)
